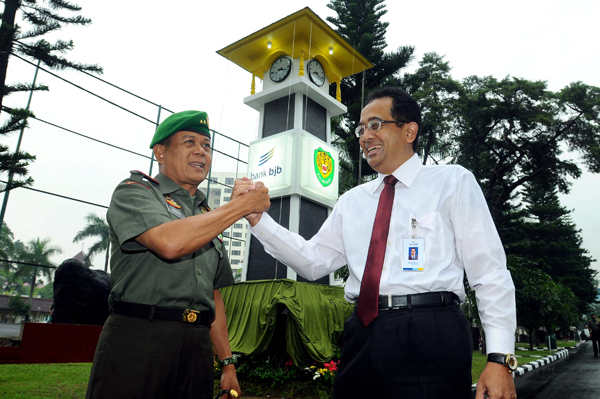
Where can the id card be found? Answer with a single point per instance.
(413, 255)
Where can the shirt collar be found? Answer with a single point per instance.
(168, 186)
(406, 173)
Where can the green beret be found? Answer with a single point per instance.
(189, 121)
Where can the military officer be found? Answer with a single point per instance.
(168, 263)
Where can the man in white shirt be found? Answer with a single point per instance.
(417, 344)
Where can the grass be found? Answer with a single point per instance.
(69, 380)
(44, 381)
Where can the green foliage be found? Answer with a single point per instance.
(95, 227)
(359, 23)
(37, 252)
(17, 306)
(38, 19)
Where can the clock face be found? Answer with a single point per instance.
(280, 69)
(316, 73)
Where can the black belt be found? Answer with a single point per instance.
(163, 313)
(442, 298)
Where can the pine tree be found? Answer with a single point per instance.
(359, 23)
(551, 242)
(40, 17)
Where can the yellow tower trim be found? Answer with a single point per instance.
(305, 34)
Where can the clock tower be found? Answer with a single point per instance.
(297, 58)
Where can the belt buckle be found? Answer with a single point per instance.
(389, 300)
(190, 316)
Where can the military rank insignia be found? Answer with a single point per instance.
(174, 208)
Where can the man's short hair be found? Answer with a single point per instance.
(404, 107)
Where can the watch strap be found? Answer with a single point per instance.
(497, 358)
(508, 360)
(227, 362)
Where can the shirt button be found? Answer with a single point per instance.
(383, 268)
(389, 243)
(199, 272)
(260, 233)
(195, 307)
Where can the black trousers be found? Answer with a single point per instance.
(595, 340)
(406, 353)
(136, 358)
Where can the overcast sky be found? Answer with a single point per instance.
(166, 52)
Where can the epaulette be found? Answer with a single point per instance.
(145, 176)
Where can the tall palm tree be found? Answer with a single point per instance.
(37, 252)
(95, 227)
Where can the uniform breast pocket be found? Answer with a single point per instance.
(431, 227)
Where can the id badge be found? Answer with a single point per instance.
(413, 253)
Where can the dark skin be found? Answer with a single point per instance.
(186, 160)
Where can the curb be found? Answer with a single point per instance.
(563, 353)
(539, 363)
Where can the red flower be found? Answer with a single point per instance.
(331, 366)
(289, 363)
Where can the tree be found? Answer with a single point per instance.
(512, 131)
(40, 18)
(550, 241)
(437, 94)
(95, 227)
(359, 23)
(37, 252)
(17, 306)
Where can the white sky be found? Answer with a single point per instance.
(166, 52)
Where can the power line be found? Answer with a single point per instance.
(27, 263)
(60, 196)
(86, 90)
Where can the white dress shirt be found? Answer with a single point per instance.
(453, 218)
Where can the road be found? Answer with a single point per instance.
(577, 377)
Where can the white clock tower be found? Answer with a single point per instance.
(297, 58)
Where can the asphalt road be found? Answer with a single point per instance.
(10, 330)
(574, 377)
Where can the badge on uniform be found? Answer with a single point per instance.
(413, 254)
(174, 208)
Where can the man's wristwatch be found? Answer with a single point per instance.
(509, 360)
(227, 362)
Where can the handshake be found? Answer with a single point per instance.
(253, 197)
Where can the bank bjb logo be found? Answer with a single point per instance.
(324, 167)
(273, 171)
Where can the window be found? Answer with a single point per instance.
(235, 261)
(215, 192)
(217, 202)
(214, 179)
(236, 243)
(225, 234)
(236, 253)
(238, 226)
(237, 235)
(229, 181)
(226, 199)
(227, 191)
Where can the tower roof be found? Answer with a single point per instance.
(302, 33)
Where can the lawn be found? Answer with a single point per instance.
(65, 381)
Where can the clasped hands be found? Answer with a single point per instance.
(254, 195)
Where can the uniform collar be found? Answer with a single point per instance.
(168, 186)
(406, 173)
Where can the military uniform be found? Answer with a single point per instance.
(147, 355)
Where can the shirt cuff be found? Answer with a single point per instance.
(265, 228)
(499, 341)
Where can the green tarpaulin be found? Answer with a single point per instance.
(315, 312)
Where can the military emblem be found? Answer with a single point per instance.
(172, 202)
(324, 167)
(174, 208)
(139, 184)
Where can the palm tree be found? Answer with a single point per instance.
(37, 252)
(95, 227)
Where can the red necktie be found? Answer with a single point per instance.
(368, 299)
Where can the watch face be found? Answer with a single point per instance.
(316, 73)
(511, 362)
(280, 69)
